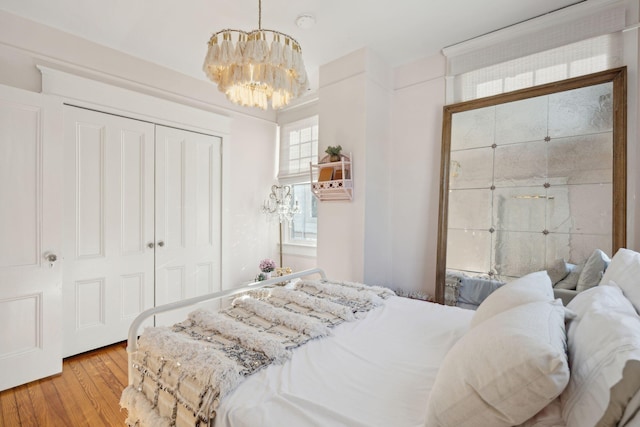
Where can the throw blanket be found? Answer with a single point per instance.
(182, 372)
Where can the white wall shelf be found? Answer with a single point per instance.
(332, 180)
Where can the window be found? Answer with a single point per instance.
(298, 148)
(576, 59)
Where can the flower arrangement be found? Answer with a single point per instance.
(267, 265)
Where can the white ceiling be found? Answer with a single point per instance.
(174, 33)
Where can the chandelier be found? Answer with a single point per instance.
(279, 204)
(254, 71)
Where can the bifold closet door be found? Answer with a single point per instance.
(188, 205)
(30, 237)
(109, 227)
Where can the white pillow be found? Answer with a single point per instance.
(571, 281)
(558, 270)
(504, 371)
(600, 296)
(532, 287)
(593, 270)
(602, 340)
(624, 270)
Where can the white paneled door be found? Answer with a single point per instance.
(143, 223)
(187, 217)
(30, 237)
(109, 227)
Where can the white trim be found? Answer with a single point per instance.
(298, 112)
(631, 27)
(565, 26)
(301, 102)
(299, 249)
(92, 94)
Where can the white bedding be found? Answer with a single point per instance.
(329, 382)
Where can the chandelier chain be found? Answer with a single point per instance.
(259, 14)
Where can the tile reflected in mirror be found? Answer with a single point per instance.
(470, 209)
(471, 168)
(520, 164)
(581, 111)
(469, 250)
(581, 159)
(522, 121)
(518, 253)
(519, 208)
(581, 209)
(473, 129)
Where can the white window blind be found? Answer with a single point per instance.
(577, 59)
(298, 147)
(574, 41)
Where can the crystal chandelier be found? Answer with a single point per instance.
(254, 71)
(279, 204)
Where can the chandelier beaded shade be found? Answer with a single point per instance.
(255, 70)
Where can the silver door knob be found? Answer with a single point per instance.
(161, 243)
(51, 258)
(150, 245)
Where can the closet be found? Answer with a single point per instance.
(141, 223)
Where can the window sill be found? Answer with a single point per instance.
(299, 249)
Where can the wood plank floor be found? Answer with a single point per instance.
(87, 393)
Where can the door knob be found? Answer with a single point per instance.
(150, 245)
(161, 243)
(52, 258)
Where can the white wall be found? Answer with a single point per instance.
(340, 223)
(249, 156)
(419, 95)
(392, 125)
(354, 236)
(251, 236)
(24, 43)
(388, 233)
(416, 134)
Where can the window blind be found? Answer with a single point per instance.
(298, 147)
(574, 41)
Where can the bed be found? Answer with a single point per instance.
(396, 361)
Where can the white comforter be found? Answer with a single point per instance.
(374, 372)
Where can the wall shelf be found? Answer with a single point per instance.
(332, 180)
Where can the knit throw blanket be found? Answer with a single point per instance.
(182, 372)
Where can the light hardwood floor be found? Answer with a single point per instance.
(87, 393)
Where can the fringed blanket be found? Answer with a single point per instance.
(182, 372)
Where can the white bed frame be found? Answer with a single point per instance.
(132, 341)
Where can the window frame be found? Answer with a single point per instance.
(300, 176)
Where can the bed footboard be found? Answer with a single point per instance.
(132, 341)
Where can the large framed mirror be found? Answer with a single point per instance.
(533, 176)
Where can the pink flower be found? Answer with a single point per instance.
(267, 265)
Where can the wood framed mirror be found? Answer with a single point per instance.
(532, 176)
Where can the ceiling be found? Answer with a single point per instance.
(174, 33)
